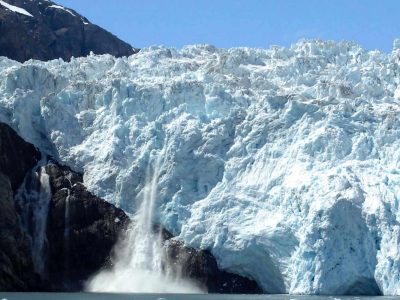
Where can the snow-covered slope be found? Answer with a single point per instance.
(285, 163)
(16, 9)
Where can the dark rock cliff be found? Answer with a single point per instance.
(81, 231)
(16, 156)
(16, 268)
(53, 32)
(201, 267)
(81, 228)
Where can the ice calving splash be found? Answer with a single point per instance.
(283, 162)
(139, 263)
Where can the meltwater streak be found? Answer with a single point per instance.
(41, 214)
(139, 263)
(33, 197)
(67, 232)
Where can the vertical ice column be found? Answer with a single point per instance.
(147, 245)
(41, 210)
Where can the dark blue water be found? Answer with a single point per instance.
(95, 296)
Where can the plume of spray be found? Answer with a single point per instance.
(139, 263)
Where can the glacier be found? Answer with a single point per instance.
(283, 162)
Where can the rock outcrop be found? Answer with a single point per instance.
(51, 32)
(81, 230)
(200, 266)
(16, 267)
(16, 156)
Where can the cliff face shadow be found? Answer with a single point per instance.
(350, 252)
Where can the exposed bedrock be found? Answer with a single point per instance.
(201, 267)
(81, 230)
(51, 32)
(16, 268)
(71, 251)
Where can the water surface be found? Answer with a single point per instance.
(104, 296)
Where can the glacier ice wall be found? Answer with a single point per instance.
(284, 162)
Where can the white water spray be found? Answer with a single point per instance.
(139, 263)
(147, 246)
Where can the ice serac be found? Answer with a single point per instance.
(282, 162)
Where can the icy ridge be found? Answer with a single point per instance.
(62, 8)
(16, 9)
(284, 162)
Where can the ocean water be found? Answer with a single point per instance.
(110, 296)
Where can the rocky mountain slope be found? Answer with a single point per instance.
(92, 222)
(43, 30)
(16, 267)
(282, 162)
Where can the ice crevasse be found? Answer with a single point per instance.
(283, 162)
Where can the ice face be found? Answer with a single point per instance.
(283, 162)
